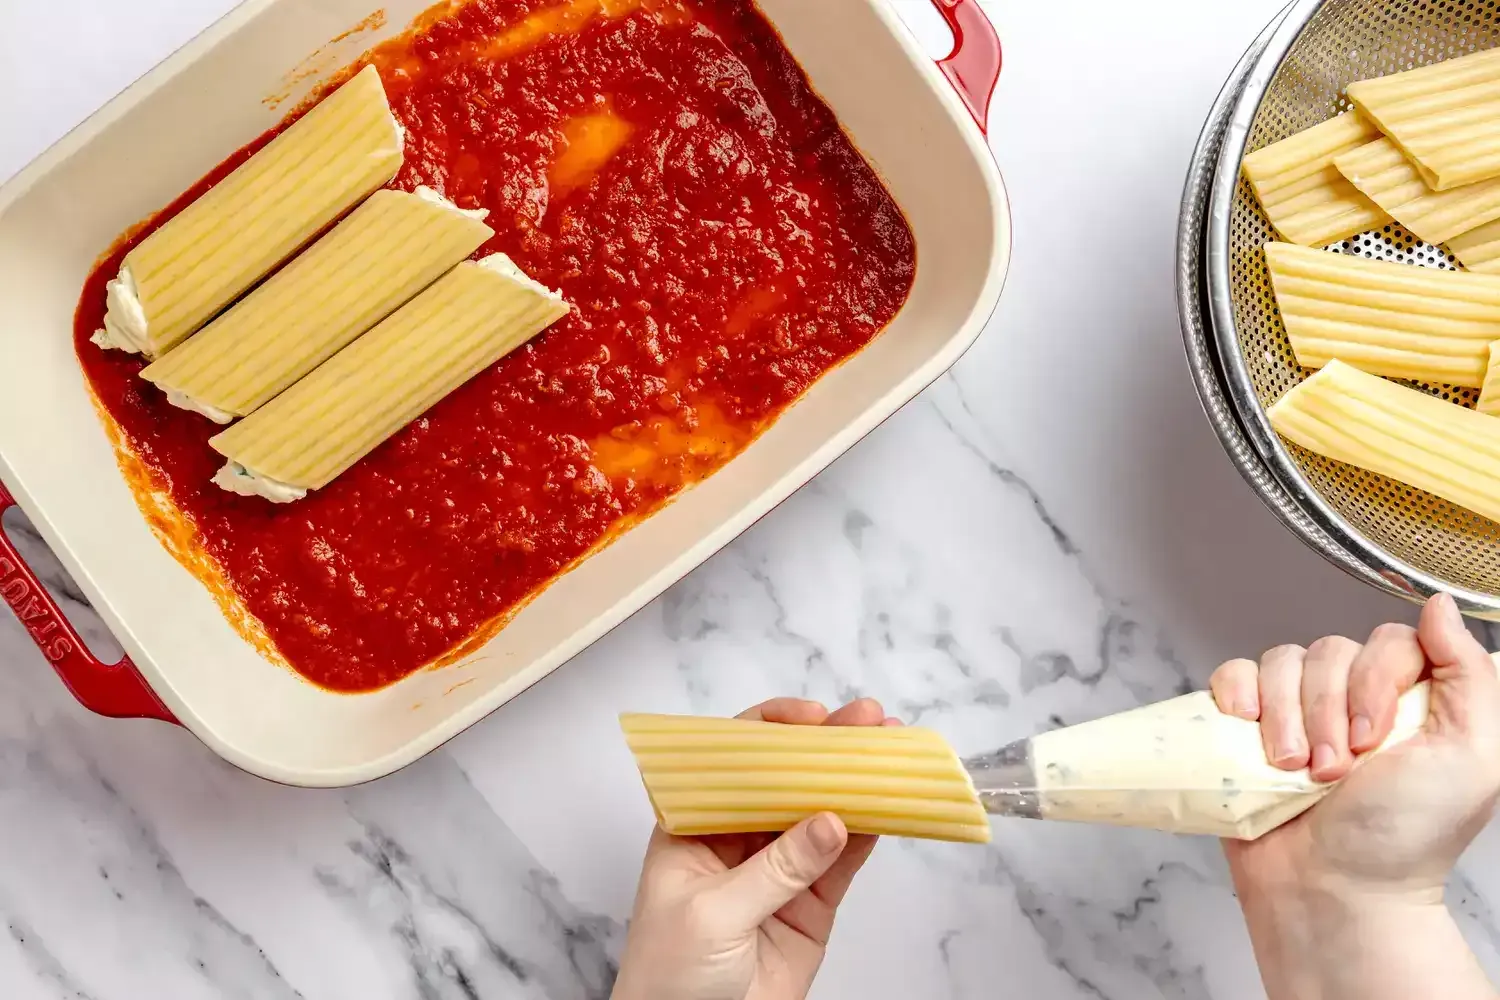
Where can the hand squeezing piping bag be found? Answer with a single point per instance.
(1181, 766)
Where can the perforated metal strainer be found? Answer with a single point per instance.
(1400, 539)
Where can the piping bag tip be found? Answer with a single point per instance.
(1005, 781)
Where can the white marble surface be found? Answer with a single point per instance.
(1049, 533)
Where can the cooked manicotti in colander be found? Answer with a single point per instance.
(1479, 249)
(1383, 174)
(1382, 426)
(1420, 148)
(1304, 195)
(1386, 318)
(1445, 117)
(1489, 395)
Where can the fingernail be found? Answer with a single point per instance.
(1448, 609)
(824, 834)
(1360, 730)
(1323, 757)
(1289, 751)
(1246, 708)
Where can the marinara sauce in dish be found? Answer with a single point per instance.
(667, 167)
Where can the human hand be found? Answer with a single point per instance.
(1399, 822)
(1346, 900)
(744, 916)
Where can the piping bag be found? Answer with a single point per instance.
(1181, 766)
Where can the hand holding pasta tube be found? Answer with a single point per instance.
(744, 915)
(1347, 899)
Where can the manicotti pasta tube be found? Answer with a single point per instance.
(1303, 194)
(1446, 117)
(372, 263)
(1351, 416)
(711, 776)
(246, 225)
(1383, 174)
(1384, 317)
(1478, 250)
(1489, 394)
(305, 438)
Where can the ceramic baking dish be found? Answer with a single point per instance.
(915, 120)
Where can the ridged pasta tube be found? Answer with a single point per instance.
(711, 776)
(1479, 249)
(1383, 317)
(1350, 416)
(309, 435)
(1489, 395)
(1446, 117)
(1303, 194)
(371, 264)
(1383, 174)
(246, 225)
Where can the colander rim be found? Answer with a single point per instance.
(1194, 320)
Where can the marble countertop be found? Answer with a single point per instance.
(1049, 533)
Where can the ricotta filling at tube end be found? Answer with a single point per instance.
(428, 194)
(183, 401)
(125, 327)
(241, 481)
(501, 264)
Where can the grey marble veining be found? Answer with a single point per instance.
(1048, 534)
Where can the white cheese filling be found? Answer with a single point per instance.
(183, 401)
(239, 480)
(430, 195)
(502, 264)
(125, 327)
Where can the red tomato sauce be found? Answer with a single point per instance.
(666, 165)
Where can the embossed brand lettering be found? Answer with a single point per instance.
(15, 592)
(33, 610)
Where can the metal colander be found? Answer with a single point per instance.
(1403, 540)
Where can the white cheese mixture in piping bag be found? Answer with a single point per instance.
(1181, 766)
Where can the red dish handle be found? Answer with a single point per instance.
(973, 67)
(111, 689)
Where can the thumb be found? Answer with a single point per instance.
(1465, 684)
(752, 893)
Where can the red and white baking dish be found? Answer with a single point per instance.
(916, 121)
